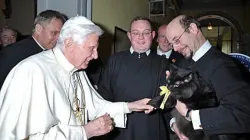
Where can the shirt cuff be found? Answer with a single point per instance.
(173, 120)
(126, 109)
(195, 116)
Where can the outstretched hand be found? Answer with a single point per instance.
(141, 105)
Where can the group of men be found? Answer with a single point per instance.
(49, 96)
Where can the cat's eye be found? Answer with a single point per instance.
(176, 86)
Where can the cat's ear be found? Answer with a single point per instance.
(172, 68)
(184, 72)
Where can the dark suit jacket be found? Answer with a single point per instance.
(233, 113)
(94, 71)
(174, 57)
(14, 53)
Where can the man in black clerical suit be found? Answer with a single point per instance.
(232, 116)
(135, 74)
(47, 26)
(164, 49)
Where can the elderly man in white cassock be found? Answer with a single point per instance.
(45, 97)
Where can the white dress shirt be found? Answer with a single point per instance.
(168, 53)
(198, 54)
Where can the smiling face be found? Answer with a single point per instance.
(7, 37)
(163, 43)
(79, 55)
(141, 35)
(181, 39)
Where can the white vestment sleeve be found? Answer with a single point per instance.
(26, 110)
(97, 106)
(61, 132)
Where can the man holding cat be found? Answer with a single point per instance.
(232, 116)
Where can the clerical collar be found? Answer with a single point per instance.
(132, 51)
(62, 60)
(39, 44)
(201, 51)
(167, 54)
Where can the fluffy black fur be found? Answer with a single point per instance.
(188, 87)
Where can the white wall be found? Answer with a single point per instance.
(68, 7)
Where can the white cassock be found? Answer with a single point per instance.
(36, 101)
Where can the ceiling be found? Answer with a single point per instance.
(207, 4)
(211, 4)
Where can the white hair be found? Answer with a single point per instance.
(77, 28)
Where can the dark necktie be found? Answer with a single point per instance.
(191, 61)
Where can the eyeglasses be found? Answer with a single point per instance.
(177, 41)
(145, 34)
(162, 37)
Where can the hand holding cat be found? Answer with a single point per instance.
(181, 108)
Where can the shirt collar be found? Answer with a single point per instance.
(39, 44)
(132, 50)
(201, 51)
(62, 60)
(168, 53)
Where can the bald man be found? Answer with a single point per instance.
(232, 116)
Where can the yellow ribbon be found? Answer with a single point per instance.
(164, 90)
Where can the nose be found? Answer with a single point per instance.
(176, 47)
(95, 54)
(141, 36)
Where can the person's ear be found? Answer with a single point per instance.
(153, 34)
(38, 28)
(193, 28)
(129, 35)
(68, 43)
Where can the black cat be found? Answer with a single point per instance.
(188, 87)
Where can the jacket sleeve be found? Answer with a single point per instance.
(233, 113)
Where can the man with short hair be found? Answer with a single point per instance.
(47, 26)
(135, 74)
(48, 97)
(7, 36)
(221, 73)
(165, 49)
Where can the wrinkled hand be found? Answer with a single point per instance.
(140, 105)
(181, 108)
(100, 126)
(178, 133)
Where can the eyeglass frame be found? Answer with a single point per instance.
(141, 34)
(178, 39)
